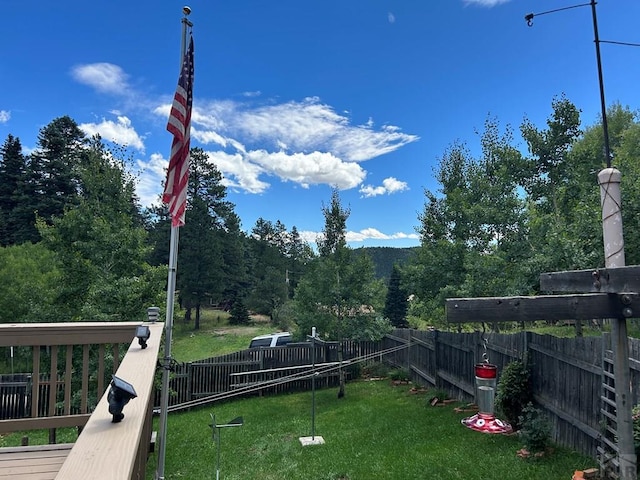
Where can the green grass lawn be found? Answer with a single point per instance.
(215, 336)
(377, 431)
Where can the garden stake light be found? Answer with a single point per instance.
(215, 434)
(486, 379)
(313, 439)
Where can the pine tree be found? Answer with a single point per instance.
(396, 303)
(17, 212)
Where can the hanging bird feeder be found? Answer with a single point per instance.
(485, 420)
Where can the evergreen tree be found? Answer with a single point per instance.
(339, 293)
(200, 256)
(54, 166)
(239, 313)
(396, 303)
(17, 211)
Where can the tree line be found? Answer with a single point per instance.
(501, 218)
(76, 244)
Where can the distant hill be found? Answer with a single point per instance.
(384, 258)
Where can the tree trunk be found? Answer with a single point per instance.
(196, 325)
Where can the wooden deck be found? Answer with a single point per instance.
(42, 462)
(104, 450)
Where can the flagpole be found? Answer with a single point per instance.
(171, 289)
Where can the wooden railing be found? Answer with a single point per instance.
(72, 364)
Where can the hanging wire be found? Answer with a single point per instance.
(529, 16)
(282, 380)
(485, 342)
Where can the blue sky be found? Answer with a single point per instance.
(292, 97)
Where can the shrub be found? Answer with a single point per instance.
(376, 369)
(635, 412)
(438, 394)
(536, 429)
(399, 374)
(514, 392)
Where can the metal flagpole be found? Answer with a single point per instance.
(171, 290)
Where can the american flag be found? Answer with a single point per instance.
(175, 188)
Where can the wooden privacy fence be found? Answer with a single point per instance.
(198, 382)
(567, 373)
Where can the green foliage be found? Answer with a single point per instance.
(384, 258)
(200, 256)
(339, 294)
(30, 276)
(239, 313)
(376, 369)
(436, 393)
(284, 316)
(635, 417)
(100, 247)
(536, 429)
(399, 374)
(502, 218)
(514, 391)
(17, 212)
(396, 304)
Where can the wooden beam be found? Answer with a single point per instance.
(602, 280)
(548, 307)
(67, 333)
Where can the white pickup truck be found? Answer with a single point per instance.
(271, 340)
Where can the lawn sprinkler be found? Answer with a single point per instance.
(485, 421)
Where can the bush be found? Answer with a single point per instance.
(399, 374)
(376, 369)
(635, 412)
(536, 430)
(514, 392)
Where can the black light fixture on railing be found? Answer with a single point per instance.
(143, 333)
(119, 395)
(603, 106)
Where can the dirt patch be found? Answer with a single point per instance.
(235, 331)
(261, 319)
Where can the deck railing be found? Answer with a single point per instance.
(72, 365)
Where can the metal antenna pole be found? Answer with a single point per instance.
(603, 105)
(171, 290)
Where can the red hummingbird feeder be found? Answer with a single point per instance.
(485, 421)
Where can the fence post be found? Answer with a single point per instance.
(409, 353)
(435, 359)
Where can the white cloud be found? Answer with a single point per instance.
(361, 236)
(5, 115)
(389, 185)
(391, 17)
(120, 132)
(485, 3)
(374, 234)
(152, 174)
(104, 77)
(309, 169)
(238, 172)
(305, 142)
